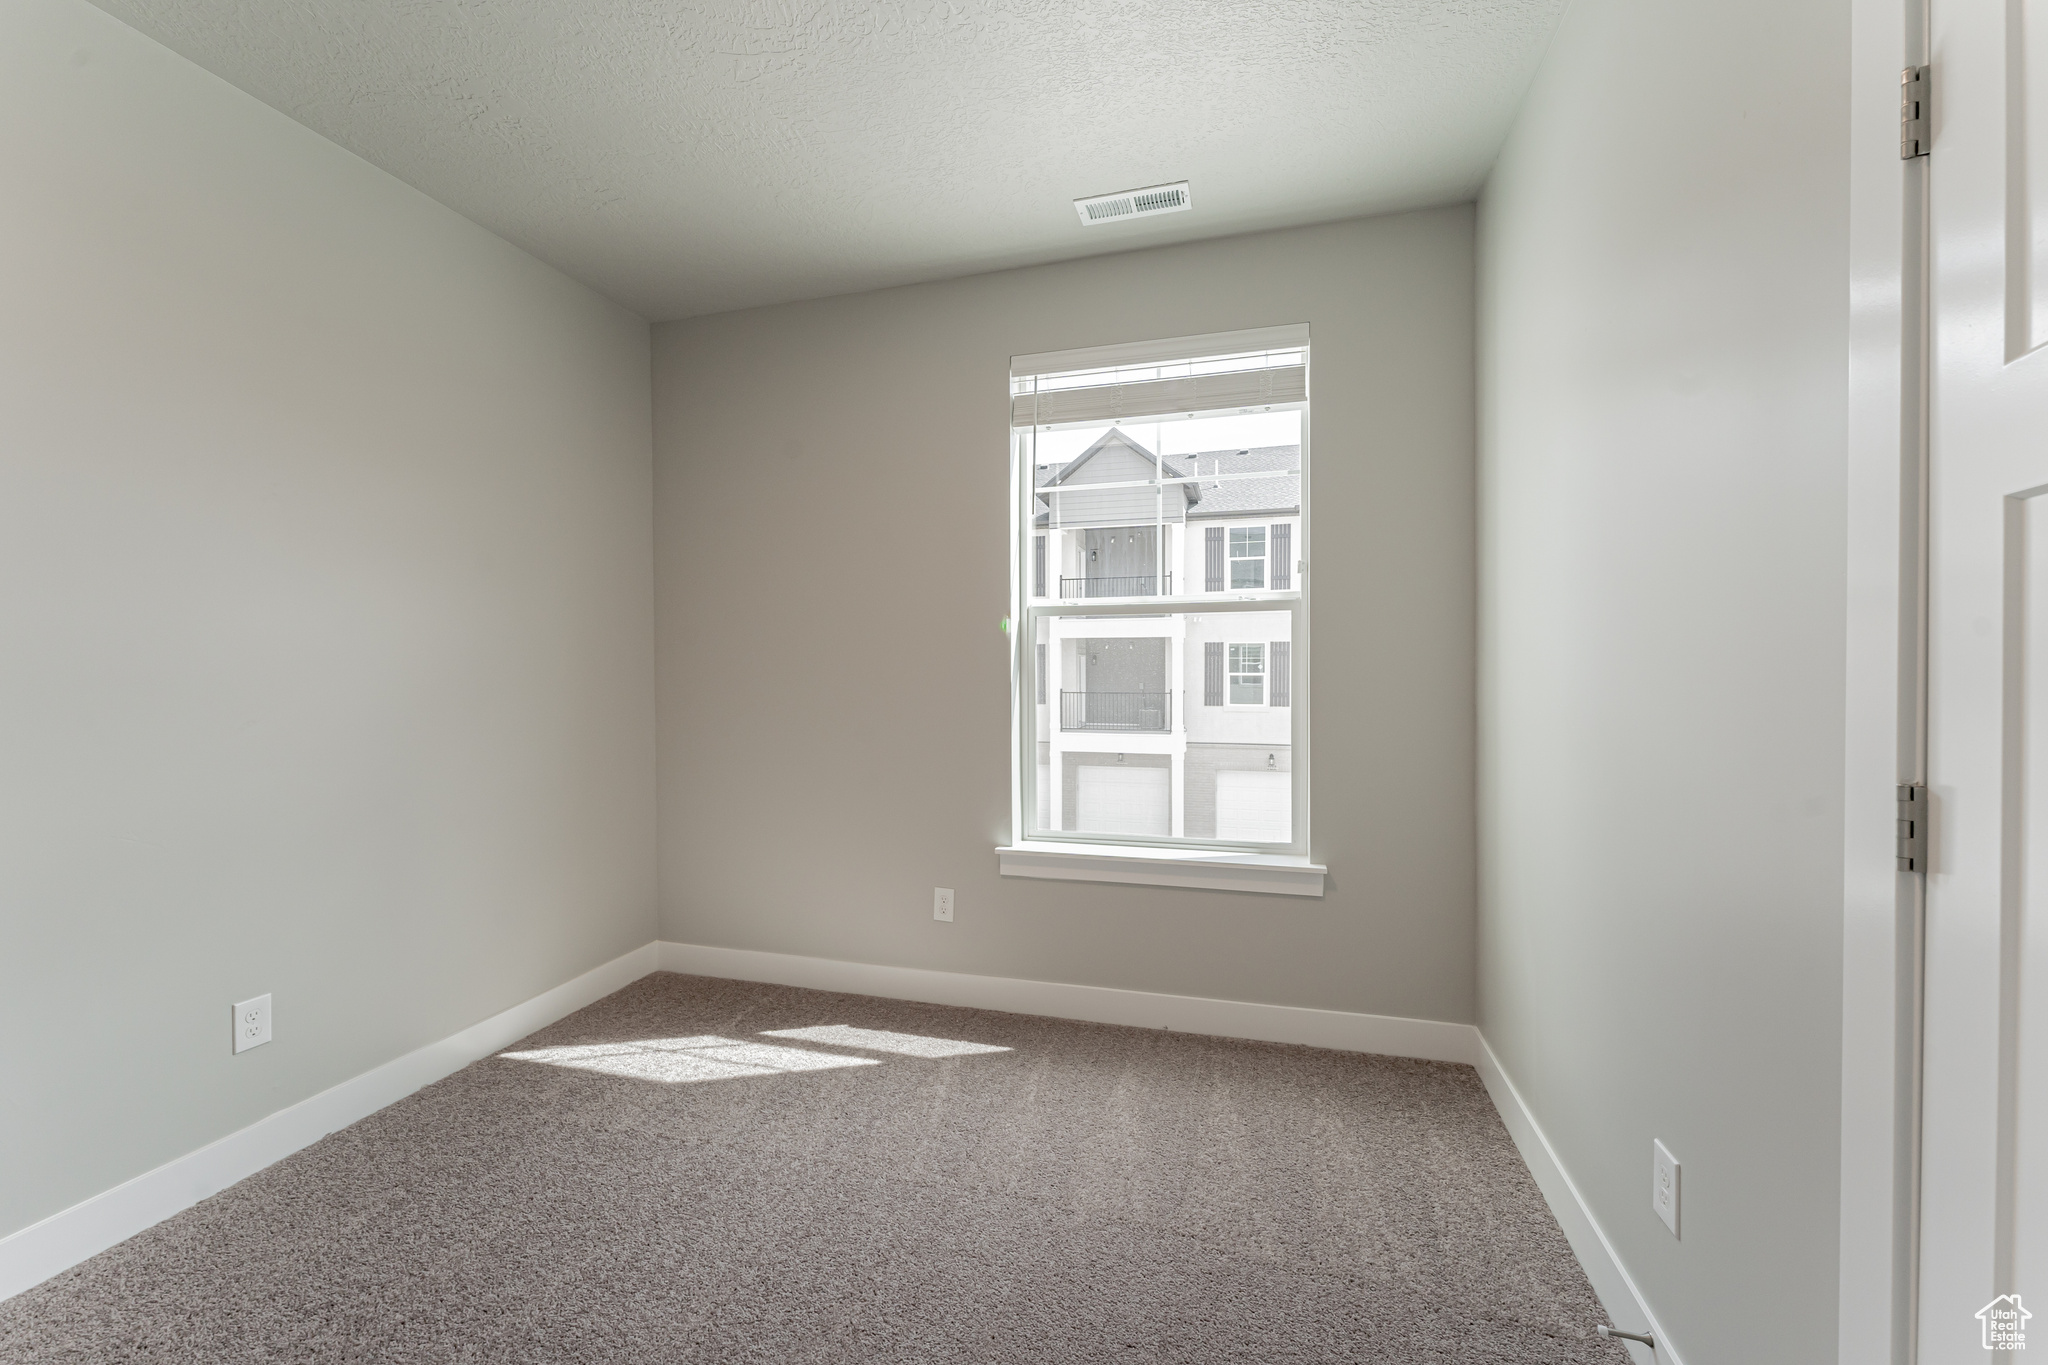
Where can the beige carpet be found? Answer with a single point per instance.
(706, 1170)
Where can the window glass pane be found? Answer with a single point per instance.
(1147, 717)
(1247, 557)
(1174, 722)
(1248, 675)
(1126, 509)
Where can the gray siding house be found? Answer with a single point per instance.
(1177, 724)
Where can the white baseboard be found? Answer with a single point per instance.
(1625, 1305)
(62, 1240)
(1430, 1039)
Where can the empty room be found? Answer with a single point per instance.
(1022, 681)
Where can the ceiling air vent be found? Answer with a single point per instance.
(1111, 208)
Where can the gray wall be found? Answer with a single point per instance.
(832, 563)
(1664, 337)
(325, 600)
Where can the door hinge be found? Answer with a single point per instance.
(1912, 832)
(1915, 137)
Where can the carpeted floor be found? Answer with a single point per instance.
(706, 1170)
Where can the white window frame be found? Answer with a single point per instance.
(1220, 864)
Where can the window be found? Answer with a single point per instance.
(1247, 557)
(1247, 675)
(1161, 593)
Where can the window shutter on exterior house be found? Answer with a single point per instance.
(1280, 683)
(1212, 546)
(1282, 543)
(1041, 675)
(1038, 570)
(1212, 673)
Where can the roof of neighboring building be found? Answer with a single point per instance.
(1280, 494)
(1207, 500)
(1051, 475)
(1062, 475)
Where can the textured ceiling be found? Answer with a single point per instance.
(688, 157)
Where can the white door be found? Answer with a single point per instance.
(1253, 806)
(1984, 1128)
(1123, 799)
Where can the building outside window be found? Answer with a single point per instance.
(1161, 593)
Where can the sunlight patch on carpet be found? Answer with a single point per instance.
(682, 1061)
(879, 1040)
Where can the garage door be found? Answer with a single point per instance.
(1255, 806)
(1123, 800)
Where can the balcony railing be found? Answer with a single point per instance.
(1128, 585)
(1133, 711)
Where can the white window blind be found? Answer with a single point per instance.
(1117, 400)
(1230, 372)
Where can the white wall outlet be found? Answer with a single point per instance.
(1664, 1184)
(942, 903)
(252, 1023)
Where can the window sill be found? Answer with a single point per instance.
(1203, 869)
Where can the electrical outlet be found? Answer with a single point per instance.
(1664, 1184)
(252, 1023)
(942, 903)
